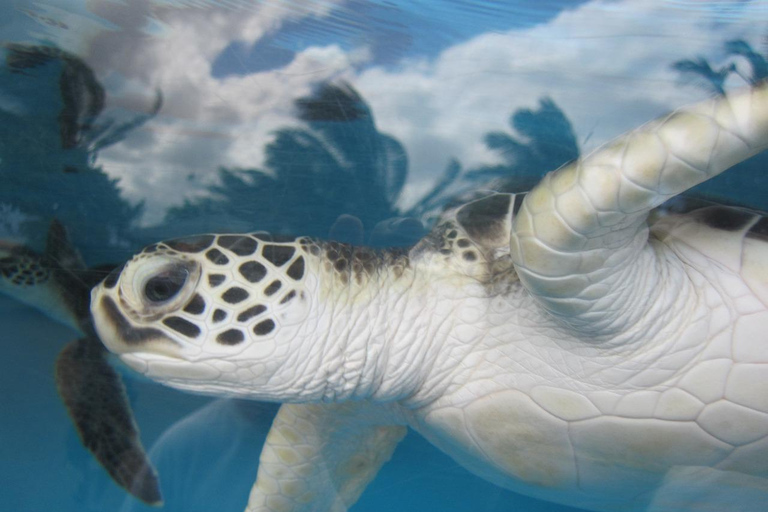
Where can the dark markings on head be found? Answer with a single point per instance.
(272, 288)
(452, 234)
(231, 337)
(239, 244)
(129, 334)
(150, 249)
(234, 295)
(251, 312)
(726, 219)
(111, 280)
(446, 251)
(486, 220)
(215, 280)
(253, 271)
(278, 255)
(469, 255)
(216, 257)
(296, 270)
(463, 243)
(196, 305)
(290, 295)
(264, 327)
(759, 230)
(190, 243)
(182, 326)
(219, 315)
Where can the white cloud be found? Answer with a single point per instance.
(606, 63)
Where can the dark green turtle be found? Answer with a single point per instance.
(58, 284)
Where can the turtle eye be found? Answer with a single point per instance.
(165, 285)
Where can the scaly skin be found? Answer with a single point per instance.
(559, 352)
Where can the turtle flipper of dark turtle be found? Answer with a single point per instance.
(95, 398)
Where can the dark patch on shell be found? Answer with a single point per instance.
(278, 255)
(273, 287)
(469, 255)
(239, 244)
(215, 280)
(216, 257)
(190, 244)
(196, 305)
(253, 271)
(296, 270)
(723, 218)
(290, 295)
(231, 337)
(219, 315)
(234, 295)
(463, 243)
(251, 312)
(264, 327)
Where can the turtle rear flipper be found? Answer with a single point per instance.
(97, 403)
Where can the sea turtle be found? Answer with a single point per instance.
(559, 344)
(58, 284)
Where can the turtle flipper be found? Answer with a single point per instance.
(321, 457)
(579, 241)
(96, 401)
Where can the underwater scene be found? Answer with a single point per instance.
(356, 305)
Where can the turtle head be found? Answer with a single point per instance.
(211, 313)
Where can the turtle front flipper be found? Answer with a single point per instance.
(321, 457)
(95, 398)
(579, 240)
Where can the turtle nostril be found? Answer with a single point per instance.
(165, 285)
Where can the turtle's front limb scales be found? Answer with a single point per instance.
(579, 241)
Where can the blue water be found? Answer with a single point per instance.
(356, 120)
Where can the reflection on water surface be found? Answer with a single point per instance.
(355, 120)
